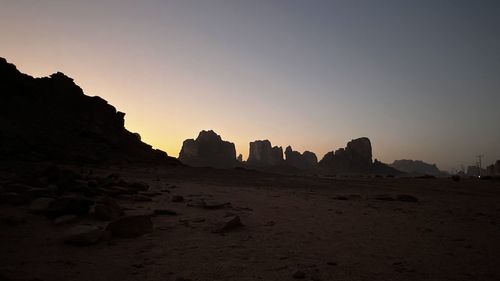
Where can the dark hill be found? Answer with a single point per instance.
(50, 118)
(417, 167)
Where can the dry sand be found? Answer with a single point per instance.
(328, 229)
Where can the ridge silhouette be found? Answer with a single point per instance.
(50, 118)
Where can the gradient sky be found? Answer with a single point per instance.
(420, 78)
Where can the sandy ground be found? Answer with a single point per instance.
(329, 229)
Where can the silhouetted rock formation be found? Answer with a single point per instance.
(305, 160)
(379, 168)
(50, 118)
(417, 167)
(355, 158)
(208, 150)
(262, 154)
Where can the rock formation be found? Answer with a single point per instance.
(262, 154)
(355, 158)
(50, 118)
(208, 150)
(417, 167)
(295, 159)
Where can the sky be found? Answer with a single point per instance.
(421, 78)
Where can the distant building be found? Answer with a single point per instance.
(494, 169)
(474, 171)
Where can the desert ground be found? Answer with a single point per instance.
(293, 227)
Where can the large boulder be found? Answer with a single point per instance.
(305, 160)
(263, 154)
(107, 209)
(51, 118)
(208, 150)
(355, 158)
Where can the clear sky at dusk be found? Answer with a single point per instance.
(420, 78)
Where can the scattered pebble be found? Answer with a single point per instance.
(299, 275)
(66, 219)
(177, 198)
(165, 212)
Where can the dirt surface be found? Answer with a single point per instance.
(295, 227)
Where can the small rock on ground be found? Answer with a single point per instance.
(165, 212)
(406, 198)
(65, 219)
(299, 275)
(41, 205)
(177, 198)
(82, 235)
(131, 226)
(229, 224)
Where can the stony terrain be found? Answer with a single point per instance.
(179, 223)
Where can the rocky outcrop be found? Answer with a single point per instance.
(208, 150)
(50, 118)
(263, 154)
(355, 158)
(295, 159)
(417, 167)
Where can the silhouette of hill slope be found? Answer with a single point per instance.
(417, 167)
(50, 118)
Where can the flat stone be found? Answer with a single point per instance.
(407, 198)
(209, 204)
(141, 198)
(13, 198)
(36, 192)
(66, 219)
(165, 212)
(229, 224)
(74, 205)
(177, 198)
(299, 275)
(82, 235)
(13, 221)
(131, 226)
(17, 187)
(41, 205)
